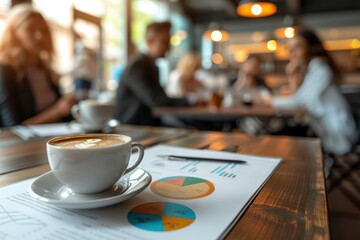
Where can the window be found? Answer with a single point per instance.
(60, 16)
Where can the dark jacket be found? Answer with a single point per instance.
(260, 82)
(17, 101)
(140, 91)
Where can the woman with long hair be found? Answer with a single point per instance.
(29, 91)
(317, 76)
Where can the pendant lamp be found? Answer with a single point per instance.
(216, 33)
(256, 8)
(289, 28)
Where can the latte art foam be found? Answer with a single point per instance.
(89, 143)
(85, 143)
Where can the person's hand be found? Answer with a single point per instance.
(60, 109)
(293, 67)
(267, 102)
(65, 104)
(263, 101)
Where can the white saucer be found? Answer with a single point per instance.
(86, 127)
(47, 188)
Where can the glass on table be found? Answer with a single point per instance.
(250, 96)
(216, 100)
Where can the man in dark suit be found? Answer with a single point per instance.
(139, 90)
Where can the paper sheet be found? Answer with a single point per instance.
(44, 130)
(186, 200)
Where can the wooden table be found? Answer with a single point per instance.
(292, 204)
(16, 153)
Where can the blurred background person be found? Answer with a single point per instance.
(249, 75)
(84, 70)
(251, 85)
(294, 79)
(182, 81)
(139, 90)
(29, 92)
(318, 93)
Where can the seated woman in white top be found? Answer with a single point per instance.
(318, 94)
(182, 80)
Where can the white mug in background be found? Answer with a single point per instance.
(93, 112)
(91, 163)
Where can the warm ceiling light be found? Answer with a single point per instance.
(289, 32)
(216, 33)
(355, 43)
(256, 8)
(175, 41)
(216, 36)
(285, 32)
(341, 44)
(217, 58)
(291, 24)
(271, 45)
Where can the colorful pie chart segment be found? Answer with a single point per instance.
(182, 187)
(161, 216)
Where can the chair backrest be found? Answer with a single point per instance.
(352, 95)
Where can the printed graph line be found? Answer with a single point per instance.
(186, 166)
(7, 217)
(224, 170)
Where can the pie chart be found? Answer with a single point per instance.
(182, 187)
(161, 216)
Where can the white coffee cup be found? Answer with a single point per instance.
(91, 163)
(92, 112)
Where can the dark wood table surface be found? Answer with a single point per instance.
(16, 153)
(292, 204)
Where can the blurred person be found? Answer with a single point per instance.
(85, 69)
(139, 90)
(182, 81)
(249, 75)
(120, 67)
(249, 86)
(29, 92)
(317, 77)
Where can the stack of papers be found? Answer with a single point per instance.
(186, 200)
(44, 130)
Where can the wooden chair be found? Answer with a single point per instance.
(345, 172)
